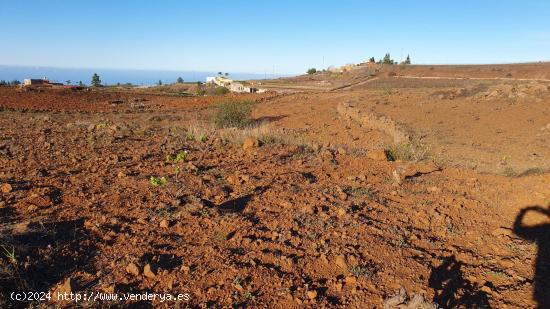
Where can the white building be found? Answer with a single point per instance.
(231, 85)
(219, 80)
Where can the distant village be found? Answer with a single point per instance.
(221, 81)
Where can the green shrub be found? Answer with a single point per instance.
(312, 71)
(233, 114)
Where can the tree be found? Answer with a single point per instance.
(387, 59)
(68, 82)
(3, 83)
(219, 73)
(81, 84)
(159, 83)
(408, 60)
(179, 80)
(312, 71)
(226, 74)
(96, 82)
(372, 60)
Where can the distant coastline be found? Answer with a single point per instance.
(114, 76)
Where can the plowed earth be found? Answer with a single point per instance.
(272, 226)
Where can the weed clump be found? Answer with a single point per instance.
(233, 114)
(181, 156)
(361, 271)
(157, 181)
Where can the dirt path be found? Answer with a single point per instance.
(475, 78)
(359, 83)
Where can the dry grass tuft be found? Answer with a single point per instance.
(413, 151)
(263, 132)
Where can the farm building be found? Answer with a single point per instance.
(219, 80)
(232, 85)
(239, 87)
(33, 81)
(28, 82)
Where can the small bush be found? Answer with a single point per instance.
(233, 114)
(221, 91)
(312, 71)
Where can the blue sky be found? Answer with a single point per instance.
(279, 36)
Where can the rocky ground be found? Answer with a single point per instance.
(113, 192)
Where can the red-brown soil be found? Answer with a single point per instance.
(281, 225)
(492, 127)
(362, 73)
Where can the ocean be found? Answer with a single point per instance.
(114, 76)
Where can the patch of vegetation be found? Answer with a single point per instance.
(10, 255)
(203, 138)
(181, 156)
(405, 152)
(233, 114)
(221, 91)
(532, 171)
(157, 181)
(312, 71)
(509, 172)
(452, 229)
(400, 242)
(368, 192)
(204, 213)
(361, 271)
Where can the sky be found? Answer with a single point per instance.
(279, 36)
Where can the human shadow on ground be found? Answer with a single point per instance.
(39, 255)
(452, 290)
(540, 234)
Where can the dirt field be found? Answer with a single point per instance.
(312, 215)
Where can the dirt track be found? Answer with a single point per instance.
(312, 223)
(479, 78)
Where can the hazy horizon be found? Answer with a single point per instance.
(114, 76)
